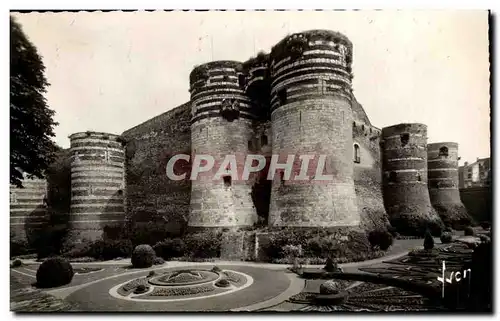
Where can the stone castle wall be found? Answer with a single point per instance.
(442, 160)
(150, 195)
(97, 183)
(368, 173)
(406, 196)
(221, 125)
(28, 210)
(311, 114)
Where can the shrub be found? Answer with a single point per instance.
(158, 261)
(292, 250)
(151, 274)
(54, 272)
(448, 229)
(381, 239)
(18, 248)
(141, 288)
(17, 263)
(393, 231)
(110, 249)
(203, 245)
(143, 256)
(329, 287)
(485, 225)
(222, 283)
(428, 241)
(216, 269)
(468, 231)
(170, 248)
(446, 237)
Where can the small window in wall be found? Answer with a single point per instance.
(263, 140)
(469, 175)
(227, 181)
(225, 78)
(250, 145)
(282, 96)
(357, 158)
(419, 177)
(363, 128)
(392, 177)
(405, 138)
(120, 192)
(443, 151)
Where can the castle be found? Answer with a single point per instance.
(295, 100)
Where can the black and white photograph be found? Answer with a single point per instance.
(320, 161)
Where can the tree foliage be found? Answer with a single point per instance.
(31, 121)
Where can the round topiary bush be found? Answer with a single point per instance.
(216, 269)
(141, 288)
(151, 274)
(329, 287)
(17, 263)
(53, 272)
(468, 231)
(446, 237)
(158, 261)
(222, 283)
(143, 256)
(428, 241)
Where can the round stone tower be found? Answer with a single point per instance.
(311, 115)
(404, 166)
(97, 183)
(221, 127)
(442, 160)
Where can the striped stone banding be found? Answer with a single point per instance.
(98, 168)
(313, 79)
(403, 170)
(216, 106)
(96, 175)
(243, 100)
(310, 89)
(325, 96)
(93, 149)
(316, 70)
(316, 61)
(442, 169)
(117, 184)
(28, 223)
(94, 217)
(94, 135)
(93, 143)
(217, 89)
(410, 134)
(97, 208)
(406, 147)
(406, 182)
(315, 49)
(448, 161)
(217, 115)
(100, 163)
(253, 80)
(406, 159)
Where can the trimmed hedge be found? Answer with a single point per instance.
(318, 243)
(170, 248)
(203, 245)
(54, 272)
(143, 256)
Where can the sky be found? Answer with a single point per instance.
(112, 71)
